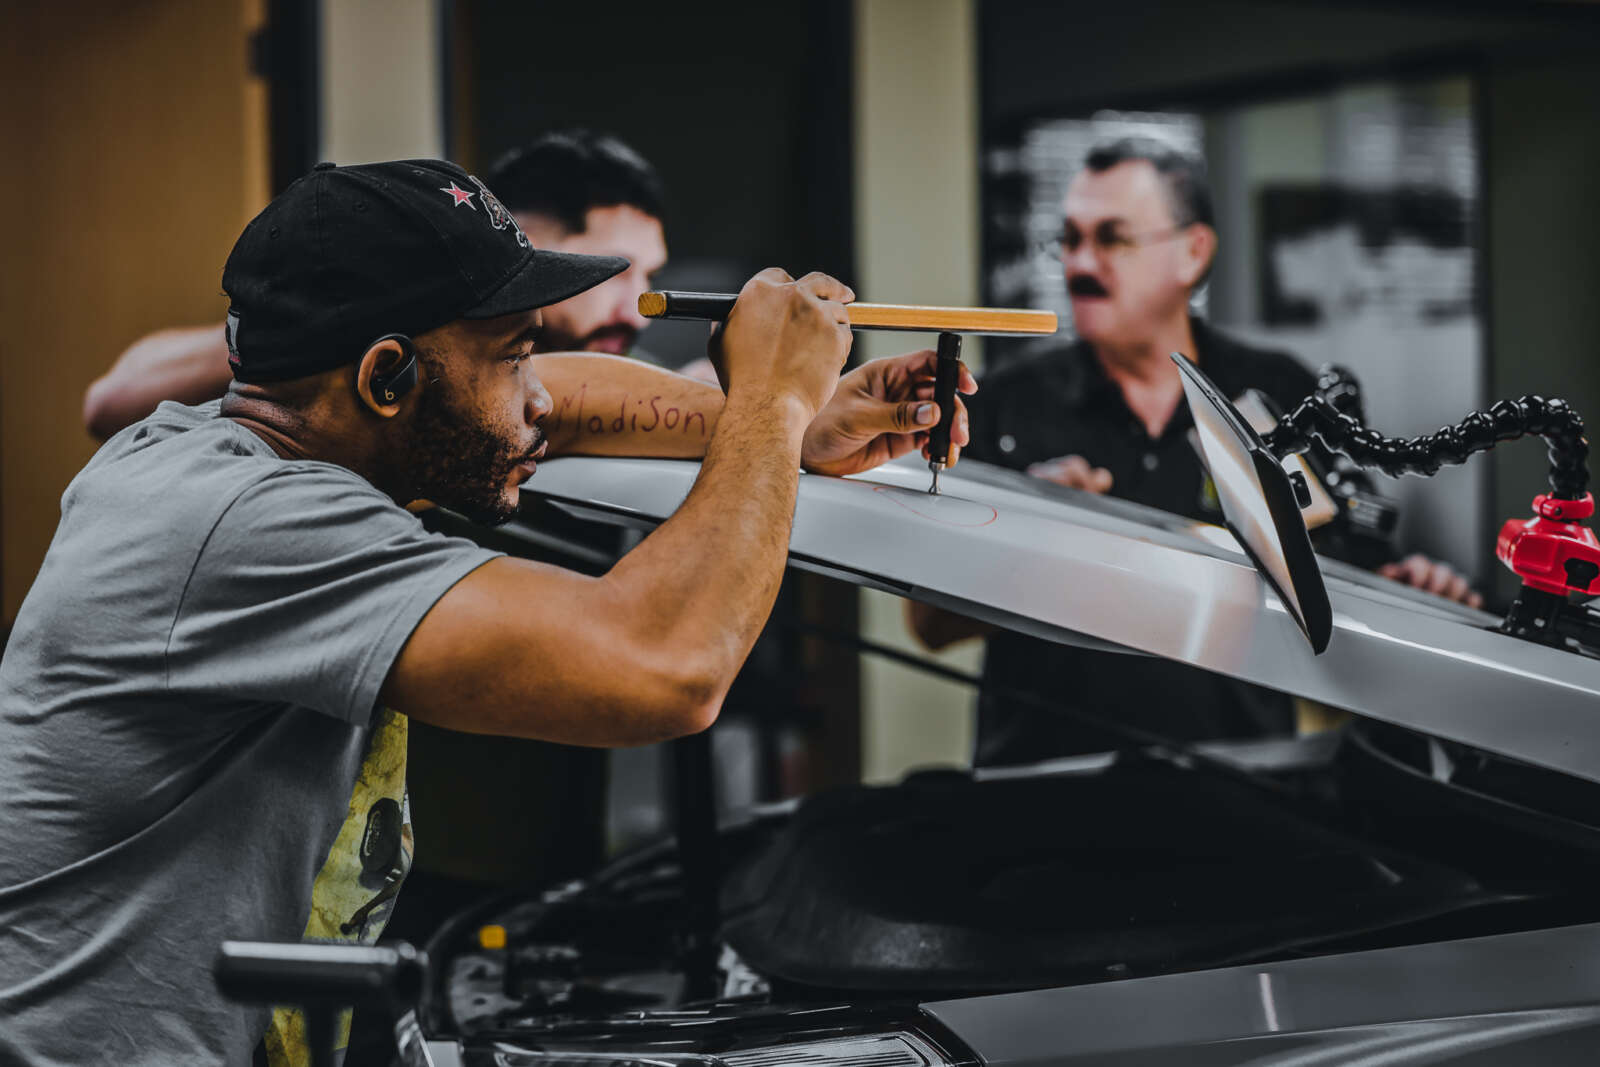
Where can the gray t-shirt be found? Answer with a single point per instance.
(191, 748)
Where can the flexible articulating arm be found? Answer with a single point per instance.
(1554, 553)
(1338, 386)
(1325, 417)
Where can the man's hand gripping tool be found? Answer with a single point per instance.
(951, 322)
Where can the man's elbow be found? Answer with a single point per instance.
(691, 717)
(689, 699)
(676, 691)
(100, 416)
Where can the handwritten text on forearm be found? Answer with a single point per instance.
(630, 415)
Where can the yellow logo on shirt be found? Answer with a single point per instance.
(354, 893)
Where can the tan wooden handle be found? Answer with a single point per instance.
(716, 306)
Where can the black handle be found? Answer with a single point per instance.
(944, 394)
(273, 973)
(713, 306)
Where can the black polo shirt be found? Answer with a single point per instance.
(1061, 403)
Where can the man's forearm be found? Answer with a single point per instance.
(615, 406)
(707, 578)
(188, 364)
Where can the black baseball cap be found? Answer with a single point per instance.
(348, 254)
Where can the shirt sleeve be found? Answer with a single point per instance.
(305, 591)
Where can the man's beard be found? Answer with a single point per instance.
(462, 462)
(553, 339)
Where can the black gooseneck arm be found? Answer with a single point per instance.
(1331, 417)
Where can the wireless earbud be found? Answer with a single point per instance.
(389, 386)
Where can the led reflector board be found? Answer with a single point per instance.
(1258, 504)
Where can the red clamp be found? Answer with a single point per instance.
(1553, 551)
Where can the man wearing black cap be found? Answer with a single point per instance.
(203, 705)
(570, 191)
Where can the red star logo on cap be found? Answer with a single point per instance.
(460, 196)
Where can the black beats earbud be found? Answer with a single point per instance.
(389, 386)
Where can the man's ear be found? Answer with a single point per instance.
(1200, 248)
(387, 363)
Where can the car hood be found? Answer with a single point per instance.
(1078, 569)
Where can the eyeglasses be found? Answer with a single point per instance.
(1108, 239)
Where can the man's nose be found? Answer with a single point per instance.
(539, 403)
(1081, 260)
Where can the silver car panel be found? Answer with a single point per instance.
(1071, 567)
(1436, 1003)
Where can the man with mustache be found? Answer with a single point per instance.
(1106, 415)
(204, 702)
